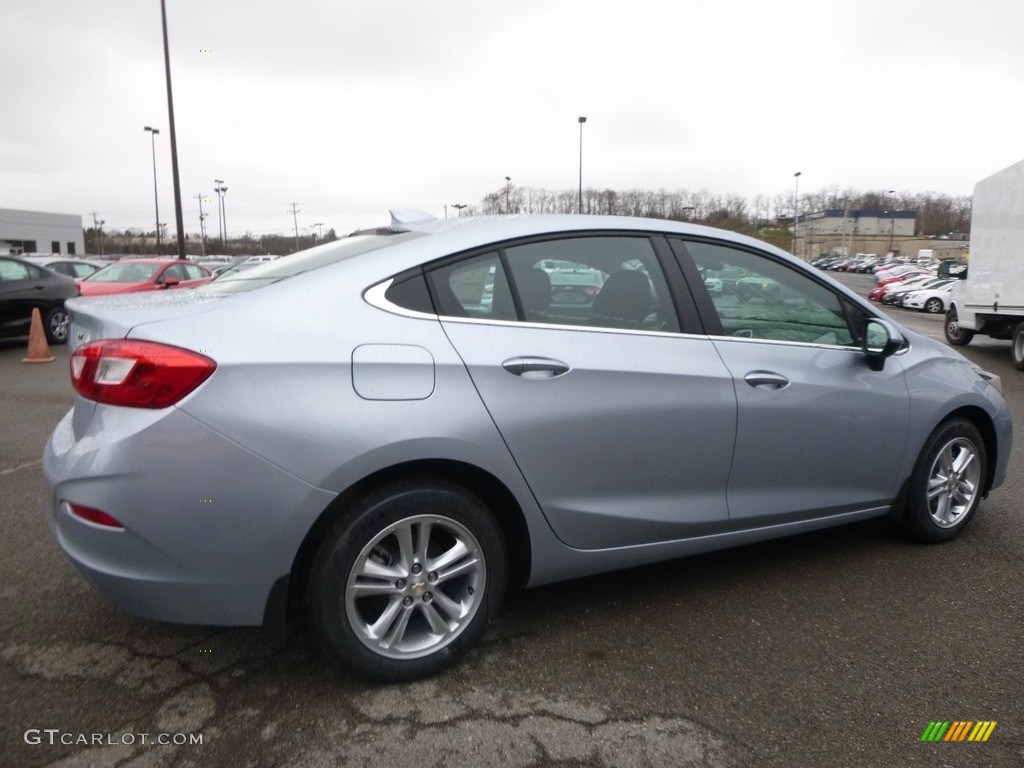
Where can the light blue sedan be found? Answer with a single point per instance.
(388, 429)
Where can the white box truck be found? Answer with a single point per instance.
(990, 300)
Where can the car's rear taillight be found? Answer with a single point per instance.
(138, 374)
(94, 516)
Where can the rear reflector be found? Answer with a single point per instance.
(137, 374)
(94, 516)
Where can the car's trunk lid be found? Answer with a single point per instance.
(112, 317)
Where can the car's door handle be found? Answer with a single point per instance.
(535, 367)
(766, 380)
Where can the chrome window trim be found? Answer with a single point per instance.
(375, 297)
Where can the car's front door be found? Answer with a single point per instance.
(19, 292)
(622, 425)
(819, 431)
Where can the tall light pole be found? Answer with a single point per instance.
(156, 200)
(458, 207)
(892, 210)
(295, 218)
(222, 213)
(178, 215)
(202, 223)
(508, 184)
(320, 231)
(582, 120)
(796, 208)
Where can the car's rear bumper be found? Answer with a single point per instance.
(205, 536)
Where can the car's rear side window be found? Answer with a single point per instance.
(605, 281)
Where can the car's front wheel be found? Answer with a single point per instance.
(55, 324)
(405, 584)
(948, 482)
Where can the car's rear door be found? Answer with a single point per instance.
(621, 420)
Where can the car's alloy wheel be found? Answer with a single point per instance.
(948, 482)
(934, 306)
(405, 585)
(56, 325)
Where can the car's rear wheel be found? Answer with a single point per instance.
(933, 306)
(404, 585)
(956, 334)
(55, 324)
(948, 482)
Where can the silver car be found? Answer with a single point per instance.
(390, 429)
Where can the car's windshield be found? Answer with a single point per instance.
(124, 272)
(269, 272)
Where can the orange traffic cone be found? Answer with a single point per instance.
(38, 349)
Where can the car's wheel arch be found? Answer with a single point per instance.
(983, 423)
(500, 501)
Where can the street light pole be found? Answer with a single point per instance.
(796, 206)
(892, 225)
(458, 207)
(156, 200)
(582, 120)
(508, 184)
(222, 217)
(295, 218)
(178, 214)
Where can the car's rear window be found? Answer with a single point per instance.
(315, 258)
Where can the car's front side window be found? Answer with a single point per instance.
(13, 271)
(757, 297)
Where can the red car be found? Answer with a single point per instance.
(131, 275)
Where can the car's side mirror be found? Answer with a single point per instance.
(881, 340)
(170, 282)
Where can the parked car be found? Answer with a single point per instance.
(352, 431)
(933, 300)
(577, 285)
(24, 287)
(70, 267)
(879, 292)
(897, 292)
(132, 275)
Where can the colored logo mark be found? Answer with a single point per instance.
(959, 730)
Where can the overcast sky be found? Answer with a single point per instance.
(350, 108)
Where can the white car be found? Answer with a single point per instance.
(933, 300)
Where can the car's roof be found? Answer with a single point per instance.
(473, 231)
(152, 260)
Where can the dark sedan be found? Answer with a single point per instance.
(24, 287)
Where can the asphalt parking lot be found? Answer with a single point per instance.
(835, 648)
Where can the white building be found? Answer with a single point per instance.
(857, 222)
(39, 232)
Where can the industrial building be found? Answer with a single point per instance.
(40, 232)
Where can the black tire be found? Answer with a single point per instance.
(56, 325)
(956, 335)
(947, 484)
(933, 306)
(380, 608)
(1017, 347)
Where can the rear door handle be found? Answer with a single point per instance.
(766, 380)
(535, 367)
